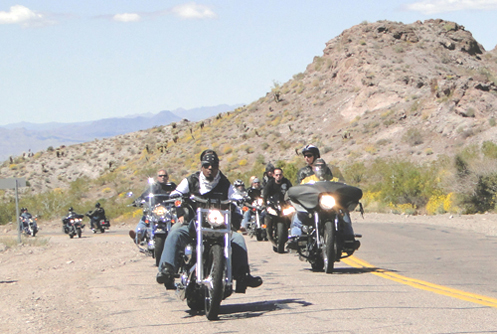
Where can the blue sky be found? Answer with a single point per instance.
(70, 61)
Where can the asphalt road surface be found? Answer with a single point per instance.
(405, 278)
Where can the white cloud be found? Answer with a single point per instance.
(193, 11)
(440, 6)
(24, 16)
(127, 17)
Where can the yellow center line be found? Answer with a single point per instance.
(419, 284)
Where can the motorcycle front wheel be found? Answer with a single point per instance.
(329, 249)
(159, 246)
(282, 233)
(214, 275)
(78, 231)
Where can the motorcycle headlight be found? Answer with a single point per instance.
(71, 221)
(288, 211)
(160, 210)
(327, 202)
(215, 218)
(271, 211)
(259, 201)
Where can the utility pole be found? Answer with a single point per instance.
(13, 183)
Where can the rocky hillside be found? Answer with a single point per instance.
(379, 89)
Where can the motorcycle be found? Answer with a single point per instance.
(278, 222)
(30, 226)
(160, 217)
(256, 226)
(205, 264)
(102, 224)
(72, 225)
(324, 242)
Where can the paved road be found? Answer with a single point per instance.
(405, 278)
(352, 300)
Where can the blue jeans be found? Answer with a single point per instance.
(140, 229)
(247, 215)
(179, 237)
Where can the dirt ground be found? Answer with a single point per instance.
(63, 285)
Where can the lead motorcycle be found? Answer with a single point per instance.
(205, 264)
(324, 242)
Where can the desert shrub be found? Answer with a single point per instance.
(489, 149)
(413, 137)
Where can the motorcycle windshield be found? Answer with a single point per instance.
(307, 195)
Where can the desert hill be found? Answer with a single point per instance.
(382, 89)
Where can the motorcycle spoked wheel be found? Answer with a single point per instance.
(159, 246)
(329, 249)
(214, 272)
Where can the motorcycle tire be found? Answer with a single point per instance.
(329, 249)
(78, 231)
(282, 233)
(259, 236)
(102, 230)
(159, 246)
(34, 232)
(71, 235)
(214, 268)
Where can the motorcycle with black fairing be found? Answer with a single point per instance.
(73, 224)
(330, 236)
(205, 264)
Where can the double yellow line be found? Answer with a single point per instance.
(459, 294)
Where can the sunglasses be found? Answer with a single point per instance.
(207, 165)
(162, 175)
(308, 155)
(278, 174)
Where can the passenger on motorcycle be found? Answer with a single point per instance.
(24, 217)
(95, 216)
(253, 193)
(268, 174)
(160, 186)
(208, 183)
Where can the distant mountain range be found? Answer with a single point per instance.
(25, 137)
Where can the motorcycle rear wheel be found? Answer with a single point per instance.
(214, 270)
(329, 249)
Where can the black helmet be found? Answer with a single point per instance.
(71, 209)
(311, 149)
(239, 183)
(97, 205)
(269, 167)
(209, 157)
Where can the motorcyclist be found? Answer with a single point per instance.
(95, 216)
(208, 183)
(276, 189)
(253, 193)
(24, 217)
(320, 172)
(161, 186)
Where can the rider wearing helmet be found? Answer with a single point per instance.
(96, 215)
(25, 215)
